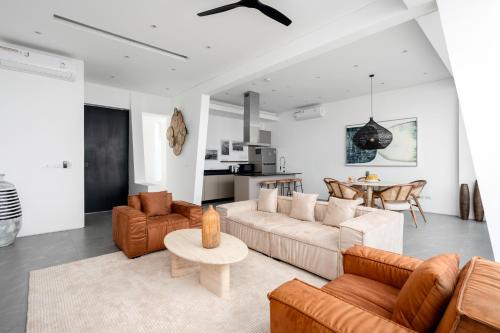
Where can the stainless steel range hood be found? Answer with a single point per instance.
(253, 136)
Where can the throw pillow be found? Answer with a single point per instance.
(303, 206)
(268, 200)
(425, 295)
(156, 203)
(340, 210)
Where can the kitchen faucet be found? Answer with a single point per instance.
(282, 163)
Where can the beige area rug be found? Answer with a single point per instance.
(111, 293)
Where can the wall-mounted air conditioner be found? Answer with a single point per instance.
(20, 60)
(312, 112)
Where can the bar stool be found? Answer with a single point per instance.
(268, 183)
(297, 182)
(284, 186)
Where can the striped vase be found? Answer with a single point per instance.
(10, 213)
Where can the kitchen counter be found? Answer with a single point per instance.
(256, 174)
(216, 172)
(247, 186)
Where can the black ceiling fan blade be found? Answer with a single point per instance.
(220, 9)
(274, 14)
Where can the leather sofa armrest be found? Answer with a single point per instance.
(129, 227)
(297, 307)
(227, 210)
(383, 266)
(191, 211)
(380, 229)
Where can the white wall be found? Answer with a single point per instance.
(138, 104)
(224, 128)
(317, 147)
(41, 123)
(471, 30)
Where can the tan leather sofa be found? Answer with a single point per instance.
(141, 226)
(312, 246)
(386, 292)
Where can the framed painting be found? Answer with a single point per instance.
(401, 152)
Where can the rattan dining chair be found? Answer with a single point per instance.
(343, 191)
(328, 186)
(418, 186)
(396, 198)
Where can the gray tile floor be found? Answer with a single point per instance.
(442, 234)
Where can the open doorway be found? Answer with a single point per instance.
(106, 158)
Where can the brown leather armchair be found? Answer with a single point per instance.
(386, 292)
(141, 226)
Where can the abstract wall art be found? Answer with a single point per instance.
(401, 152)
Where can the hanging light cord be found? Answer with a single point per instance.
(371, 95)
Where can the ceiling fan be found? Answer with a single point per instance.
(256, 4)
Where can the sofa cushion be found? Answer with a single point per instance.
(262, 220)
(426, 293)
(134, 201)
(339, 210)
(156, 203)
(303, 206)
(160, 226)
(268, 200)
(474, 305)
(365, 293)
(314, 233)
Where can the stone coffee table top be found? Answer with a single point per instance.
(186, 244)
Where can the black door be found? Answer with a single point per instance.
(106, 158)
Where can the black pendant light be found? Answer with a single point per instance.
(372, 135)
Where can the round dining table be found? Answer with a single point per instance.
(370, 186)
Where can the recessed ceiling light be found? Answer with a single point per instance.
(208, 47)
(355, 66)
(267, 79)
(38, 32)
(153, 26)
(405, 51)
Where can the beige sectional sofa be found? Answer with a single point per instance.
(312, 246)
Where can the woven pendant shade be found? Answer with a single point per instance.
(372, 135)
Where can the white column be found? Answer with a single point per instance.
(472, 31)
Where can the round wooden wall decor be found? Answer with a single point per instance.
(176, 133)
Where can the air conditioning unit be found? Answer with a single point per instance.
(309, 113)
(19, 60)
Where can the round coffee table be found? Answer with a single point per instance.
(187, 254)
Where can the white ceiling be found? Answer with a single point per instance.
(234, 36)
(399, 57)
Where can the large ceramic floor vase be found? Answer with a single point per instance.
(478, 204)
(10, 213)
(464, 202)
